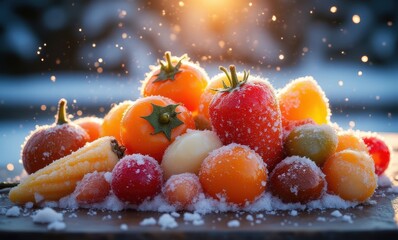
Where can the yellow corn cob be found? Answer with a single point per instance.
(59, 179)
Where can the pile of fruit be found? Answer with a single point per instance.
(231, 138)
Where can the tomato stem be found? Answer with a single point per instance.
(163, 119)
(62, 117)
(167, 70)
(170, 66)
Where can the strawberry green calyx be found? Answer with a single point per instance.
(62, 117)
(233, 79)
(168, 71)
(164, 119)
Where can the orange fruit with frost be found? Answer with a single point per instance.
(234, 173)
(351, 175)
(303, 98)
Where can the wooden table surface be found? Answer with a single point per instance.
(378, 221)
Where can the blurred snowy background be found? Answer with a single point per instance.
(94, 53)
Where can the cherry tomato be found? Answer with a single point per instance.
(351, 175)
(297, 179)
(181, 190)
(92, 125)
(350, 140)
(93, 188)
(379, 152)
(112, 120)
(152, 123)
(136, 178)
(234, 173)
(177, 79)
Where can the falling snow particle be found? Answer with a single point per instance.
(356, 19)
(364, 58)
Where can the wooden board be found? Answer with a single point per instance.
(379, 221)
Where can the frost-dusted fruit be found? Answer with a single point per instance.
(136, 178)
(93, 188)
(152, 123)
(289, 125)
(350, 140)
(351, 175)
(188, 151)
(202, 119)
(297, 179)
(234, 173)
(302, 99)
(248, 113)
(379, 152)
(92, 125)
(316, 142)
(51, 142)
(181, 190)
(178, 79)
(59, 179)
(112, 120)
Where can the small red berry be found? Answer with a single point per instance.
(379, 151)
(136, 178)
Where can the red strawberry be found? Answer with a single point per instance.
(248, 113)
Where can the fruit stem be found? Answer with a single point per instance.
(232, 79)
(62, 117)
(170, 66)
(164, 118)
(167, 70)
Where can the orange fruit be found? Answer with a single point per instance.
(303, 98)
(234, 173)
(112, 120)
